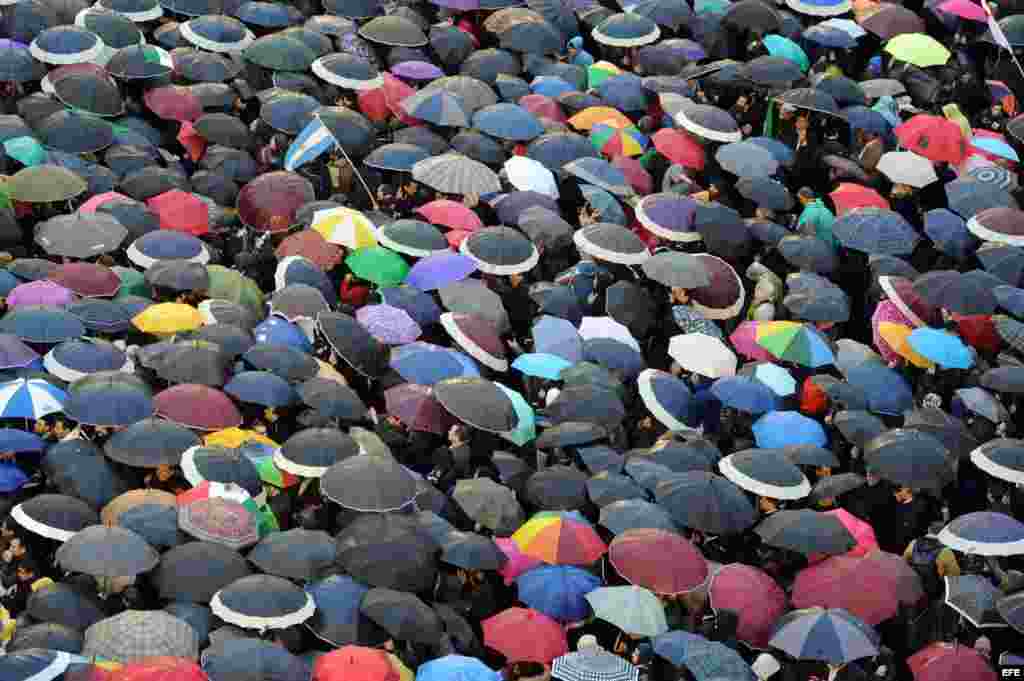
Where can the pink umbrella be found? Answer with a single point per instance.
(518, 562)
(751, 594)
(950, 662)
(744, 341)
(95, 202)
(872, 587)
(40, 292)
(456, 237)
(542, 105)
(450, 214)
(965, 9)
(887, 312)
(861, 531)
(639, 179)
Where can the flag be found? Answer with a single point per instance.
(314, 140)
(995, 29)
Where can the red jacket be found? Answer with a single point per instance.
(353, 293)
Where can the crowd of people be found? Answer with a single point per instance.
(472, 340)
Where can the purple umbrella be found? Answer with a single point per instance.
(390, 325)
(14, 353)
(416, 407)
(40, 292)
(416, 70)
(670, 216)
(438, 271)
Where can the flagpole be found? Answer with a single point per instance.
(369, 193)
(1000, 37)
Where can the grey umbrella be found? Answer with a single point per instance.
(492, 505)
(474, 298)
(675, 269)
(80, 236)
(137, 634)
(456, 174)
(808, 252)
(369, 484)
(107, 552)
(858, 426)
(909, 457)
(477, 402)
(474, 93)
(806, 531)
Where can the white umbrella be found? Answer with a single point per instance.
(525, 174)
(702, 354)
(606, 327)
(906, 167)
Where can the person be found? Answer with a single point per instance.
(932, 561)
(815, 218)
(908, 518)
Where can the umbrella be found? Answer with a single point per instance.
(631, 551)
(197, 406)
(507, 121)
(702, 354)
(477, 402)
(524, 635)
(947, 661)
(369, 484)
(426, 364)
(974, 598)
(197, 570)
(626, 30)
(348, 71)
(44, 184)
(611, 242)
(367, 547)
(559, 538)
(269, 202)
(403, 616)
(917, 49)
(107, 552)
(970, 198)
(30, 399)
(593, 665)
(66, 45)
(806, 531)
(832, 636)
(492, 505)
(672, 217)
(632, 609)
(352, 342)
(311, 452)
(54, 516)
(557, 591)
(137, 634)
(35, 664)
(456, 174)
(765, 473)
(601, 174)
(262, 602)
(501, 251)
(933, 137)
(393, 31)
(438, 107)
(996, 224)
(984, 533)
(150, 443)
(243, 657)
(753, 595)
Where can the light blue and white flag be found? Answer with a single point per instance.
(314, 140)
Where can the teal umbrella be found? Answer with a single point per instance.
(26, 150)
(527, 428)
(779, 46)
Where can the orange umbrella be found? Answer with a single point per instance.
(586, 119)
(896, 336)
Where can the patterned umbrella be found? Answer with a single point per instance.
(389, 325)
(456, 174)
(138, 634)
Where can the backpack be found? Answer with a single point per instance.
(922, 558)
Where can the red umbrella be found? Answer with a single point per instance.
(87, 279)
(524, 635)
(659, 560)
(379, 102)
(754, 596)
(181, 212)
(848, 196)
(311, 245)
(979, 331)
(543, 106)
(161, 669)
(950, 662)
(639, 179)
(194, 143)
(174, 103)
(678, 147)
(197, 406)
(933, 137)
(456, 237)
(269, 202)
(95, 202)
(416, 407)
(744, 341)
(355, 663)
(883, 581)
(451, 214)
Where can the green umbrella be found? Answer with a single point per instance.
(918, 49)
(133, 282)
(25, 149)
(779, 46)
(527, 428)
(379, 265)
(45, 183)
(228, 284)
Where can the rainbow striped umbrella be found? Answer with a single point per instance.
(612, 138)
(560, 538)
(793, 342)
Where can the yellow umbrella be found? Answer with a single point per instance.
(165, 319)
(404, 673)
(345, 227)
(586, 119)
(328, 372)
(896, 336)
(233, 438)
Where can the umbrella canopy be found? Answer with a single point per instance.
(940, 661)
(984, 533)
(630, 553)
(832, 636)
(138, 634)
(107, 552)
(751, 593)
(806, 532)
(262, 602)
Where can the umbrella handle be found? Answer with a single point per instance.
(373, 199)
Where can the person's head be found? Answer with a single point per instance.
(26, 571)
(17, 547)
(385, 192)
(871, 476)
(409, 186)
(805, 195)
(904, 494)
(802, 123)
(587, 642)
(767, 504)
(742, 103)
(515, 280)
(984, 646)
(458, 434)
(763, 213)
(164, 472)
(679, 295)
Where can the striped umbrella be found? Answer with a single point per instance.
(30, 399)
(456, 174)
(614, 139)
(438, 107)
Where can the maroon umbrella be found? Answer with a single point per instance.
(197, 406)
(659, 560)
(87, 279)
(269, 203)
(723, 297)
(478, 337)
(900, 291)
(174, 103)
(754, 596)
(310, 245)
(416, 407)
(893, 20)
(884, 581)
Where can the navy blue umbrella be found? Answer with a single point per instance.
(614, 355)
(64, 605)
(833, 636)
(289, 112)
(33, 665)
(508, 121)
(75, 359)
(245, 658)
(296, 554)
(47, 636)
(480, 147)
(298, 270)
(744, 394)
(771, 71)
(948, 231)
(41, 324)
(337, 619)
(875, 231)
(397, 157)
(268, 14)
(198, 617)
(631, 514)
(261, 387)
(12, 478)
(150, 443)
(166, 245)
(968, 197)
(156, 523)
(15, 440)
(668, 398)
(625, 92)
(829, 36)
(417, 304)
(886, 391)
(1005, 262)
(704, 501)
(109, 398)
(554, 150)
(76, 468)
(510, 207)
(984, 533)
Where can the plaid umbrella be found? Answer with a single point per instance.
(593, 665)
(138, 634)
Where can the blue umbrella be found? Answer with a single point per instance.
(417, 304)
(14, 354)
(199, 617)
(438, 271)
(511, 206)
(507, 121)
(556, 149)
(968, 197)
(780, 150)
(107, 316)
(984, 533)
(664, 12)
(1011, 299)
(289, 113)
(829, 36)
(632, 514)
(779, 429)
(624, 92)
(456, 668)
(76, 468)
(948, 231)
(427, 364)
(868, 120)
(30, 399)
(744, 394)
(941, 347)
(613, 355)
(706, 660)
(156, 523)
(337, 619)
(1005, 262)
(674, 646)
(244, 658)
(41, 324)
(279, 331)
(397, 157)
(34, 665)
(974, 597)
(541, 365)
(607, 206)
(668, 398)
(833, 636)
(72, 360)
(268, 14)
(887, 392)
(558, 591)
(11, 477)
(166, 244)
(261, 387)
(601, 173)
(14, 440)
(555, 336)
(550, 86)
(510, 88)
(876, 231)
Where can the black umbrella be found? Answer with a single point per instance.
(49, 636)
(368, 547)
(811, 100)
(75, 133)
(107, 552)
(76, 468)
(706, 502)
(371, 484)
(353, 343)
(631, 306)
(472, 551)
(393, 31)
(54, 516)
(150, 181)
(220, 128)
(808, 252)
(64, 605)
(192, 362)
(337, 619)
(296, 554)
(220, 464)
(486, 65)
(809, 455)
(286, 361)
(834, 486)
(557, 488)
(262, 602)
(91, 92)
(178, 275)
(806, 531)
(753, 15)
(819, 305)
(545, 227)
(150, 443)
(477, 402)
(197, 570)
(958, 293)
(948, 429)
(403, 615)
(80, 236)
(451, 45)
(571, 433)
(606, 488)
(311, 452)
(909, 457)
(587, 403)
(207, 67)
(1007, 379)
